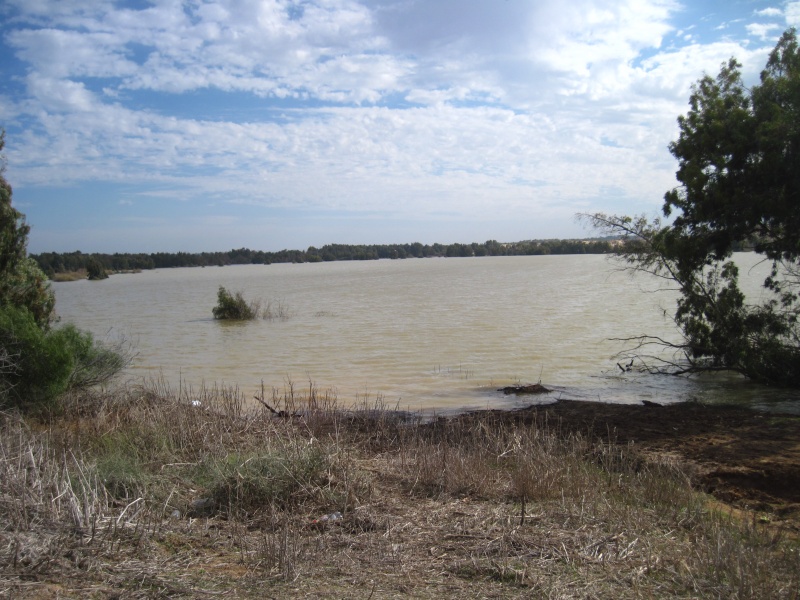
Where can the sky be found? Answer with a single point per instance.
(207, 125)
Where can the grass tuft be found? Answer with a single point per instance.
(192, 493)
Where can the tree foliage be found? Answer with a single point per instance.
(738, 158)
(67, 262)
(95, 270)
(22, 282)
(47, 363)
(38, 363)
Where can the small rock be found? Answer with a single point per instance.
(202, 507)
(326, 519)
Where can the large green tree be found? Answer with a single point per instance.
(39, 363)
(738, 158)
(22, 282)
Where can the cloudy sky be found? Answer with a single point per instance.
(167, 125)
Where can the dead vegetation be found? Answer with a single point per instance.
(148, 492)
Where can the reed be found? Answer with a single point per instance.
(276, 309)
(70, 275)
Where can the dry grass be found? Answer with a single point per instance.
(70, 275)
(276, 309)
(152, 492)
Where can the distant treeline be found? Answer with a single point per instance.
(67, 262)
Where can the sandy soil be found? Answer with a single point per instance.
(747, 459)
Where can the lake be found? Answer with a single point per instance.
(431, 333)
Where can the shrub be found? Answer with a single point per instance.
(260, 482)
(95, 270)
(93, 363)
(234, 306)
(121, 473)
(40, 362)
(37, 366)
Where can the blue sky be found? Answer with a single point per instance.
(169, 125)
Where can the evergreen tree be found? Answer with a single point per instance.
(22, 282)
(739, 171)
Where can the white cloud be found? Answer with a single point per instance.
(764, 31)
(792, 13)
(519, 51)
(59, 53)
(671, 73)
(341, 50)
(769, 12)
(60, 95)
(422, 160)
(9, 109)
(514, 108)
(245, 45)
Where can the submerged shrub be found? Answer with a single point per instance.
(234, 306)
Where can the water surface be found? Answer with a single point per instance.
(419, 333)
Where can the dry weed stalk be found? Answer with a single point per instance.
(476, 505)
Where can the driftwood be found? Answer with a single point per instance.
(278, 413)
(534, 388)
(627, 368)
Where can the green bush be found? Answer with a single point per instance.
(258, 482)
(92, 363)
(37, 365)
(121, 473)
(95, 270)
(234, 306)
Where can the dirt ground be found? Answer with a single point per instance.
(402, 538)
(744, 458)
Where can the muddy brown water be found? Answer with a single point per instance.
(440, 334)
